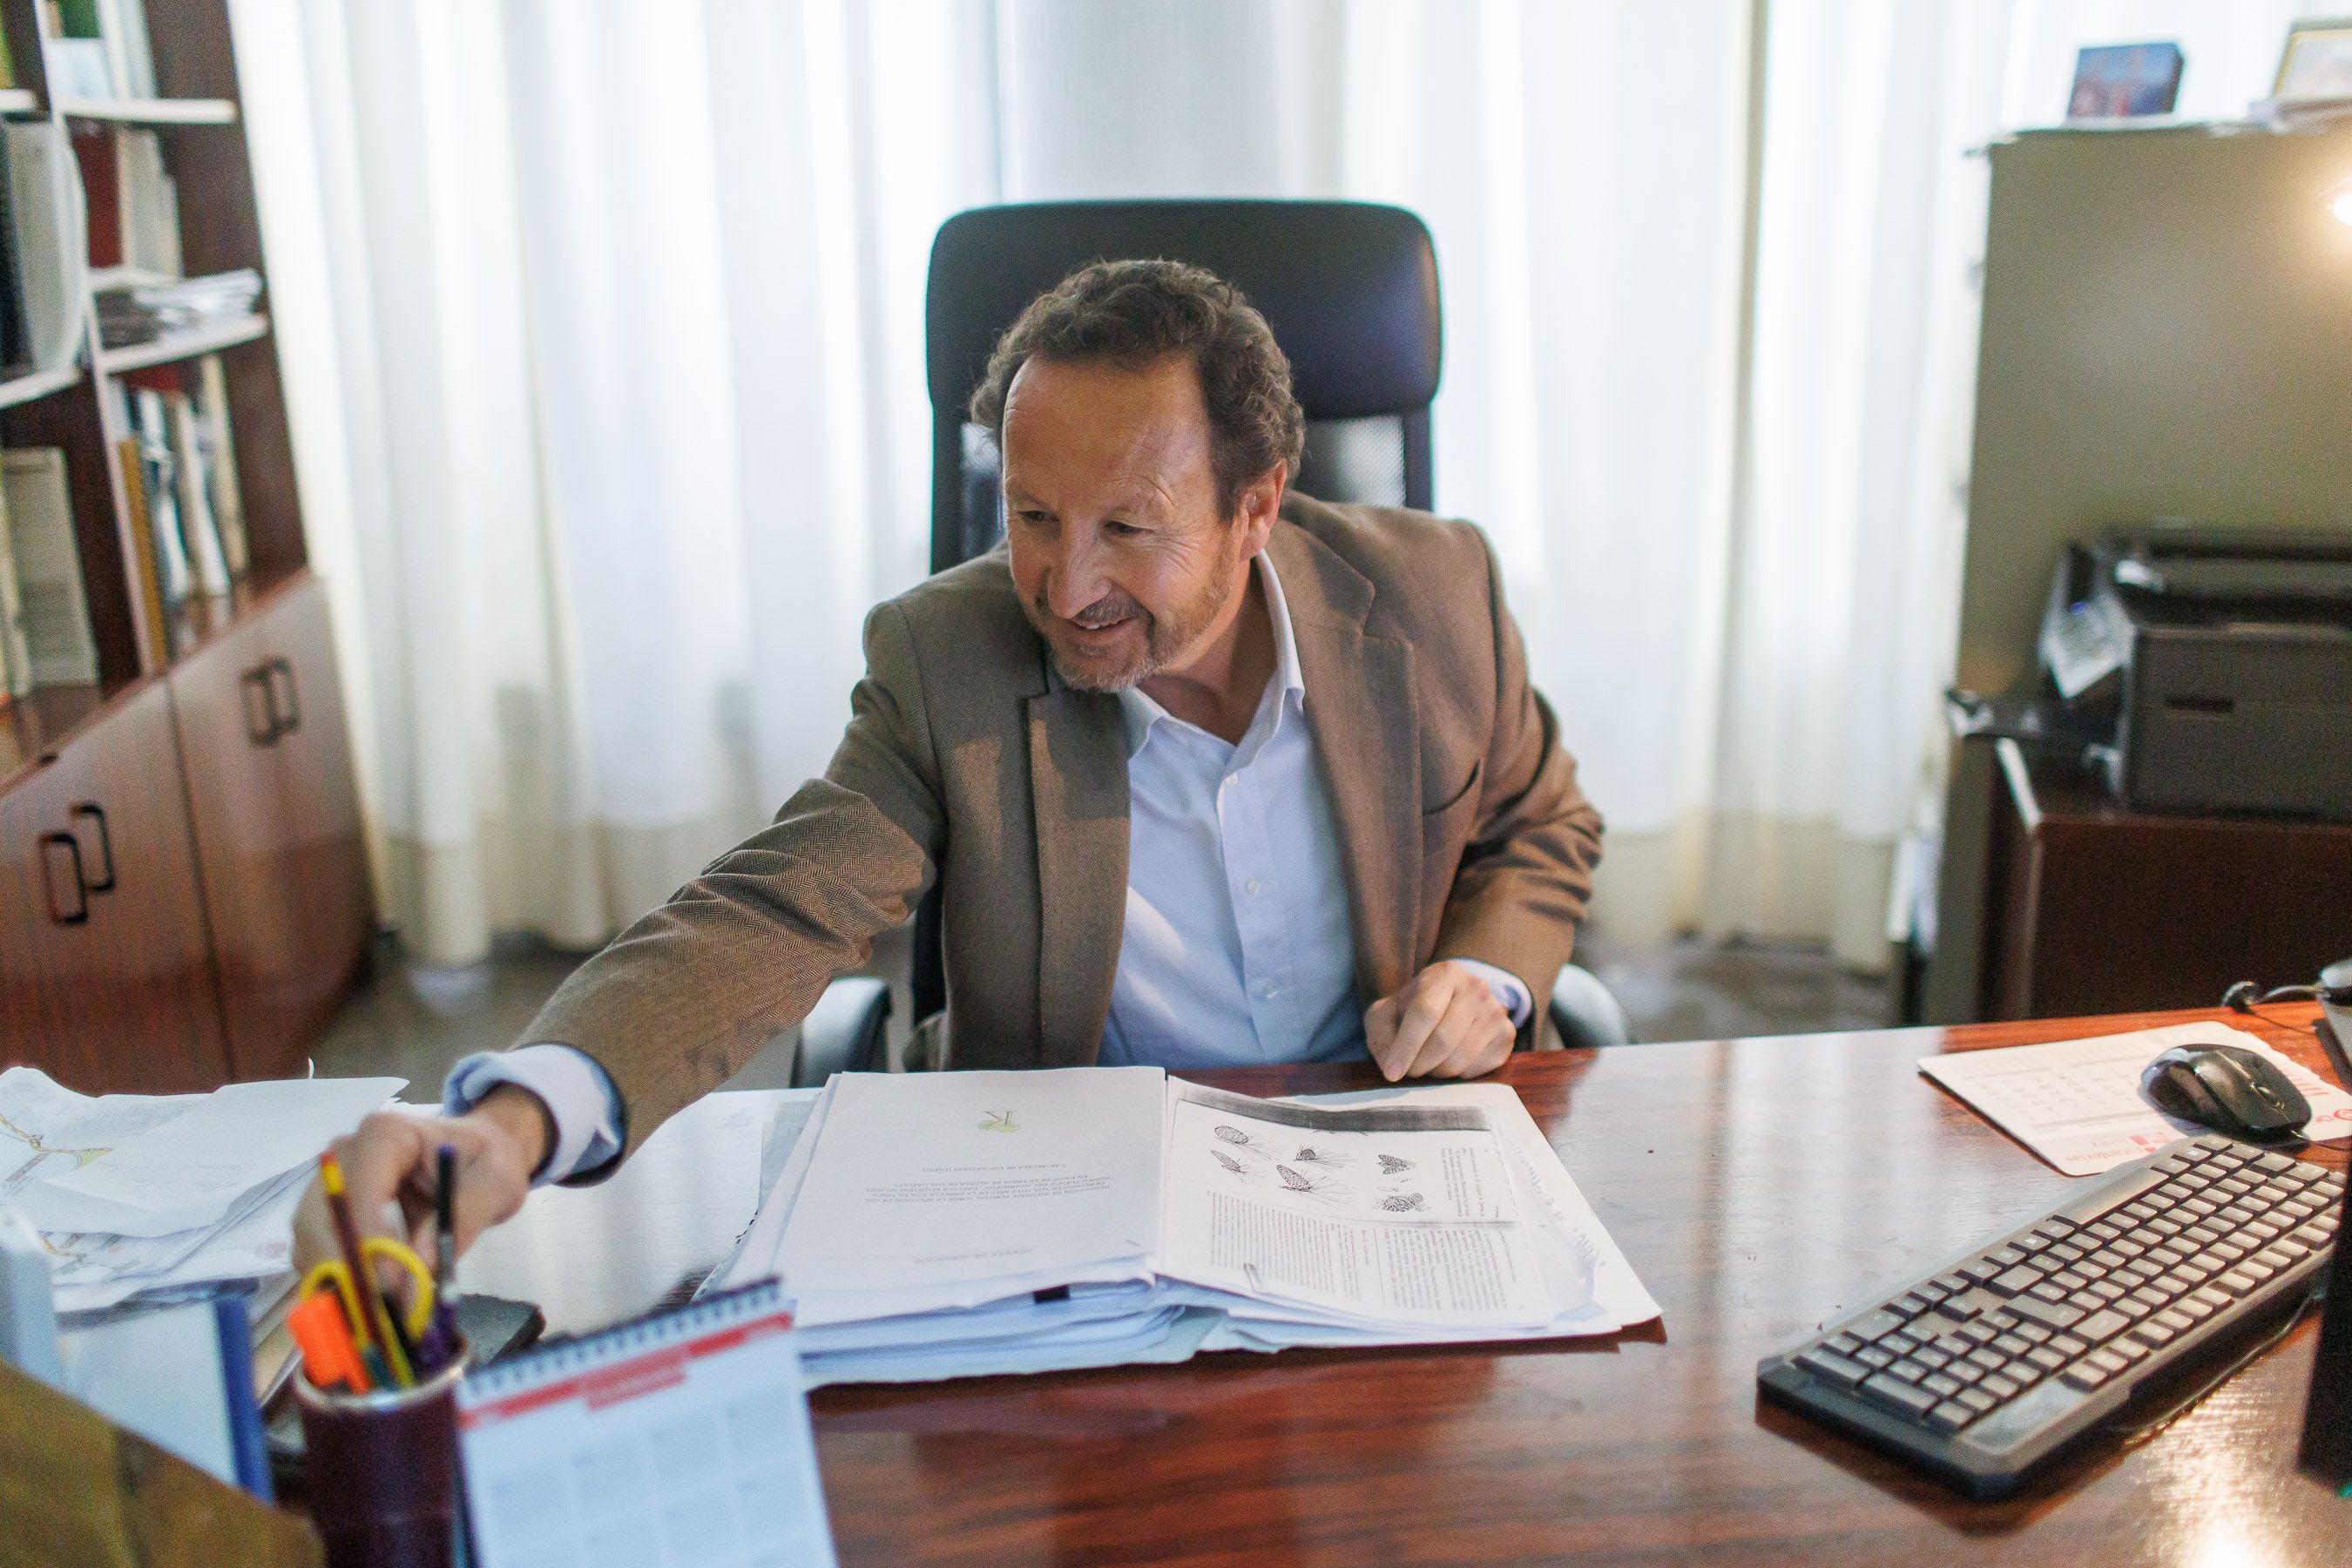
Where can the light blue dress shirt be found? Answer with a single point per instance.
(1238, 948)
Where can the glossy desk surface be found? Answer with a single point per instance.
(1758, 1187)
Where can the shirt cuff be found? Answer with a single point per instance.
(579, 1097)
(1508, 989)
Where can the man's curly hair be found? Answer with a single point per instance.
(1133, 312)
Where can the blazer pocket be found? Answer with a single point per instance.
(1468, 791)
(1445, 830)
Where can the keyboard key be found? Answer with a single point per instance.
(2100, 1326)
(1843, 1345)
(2237, 1282)
(1950, 1416)
(2152, 1298)
(2084, 1375)
(2046, 1359)
(1966, 1371)
(2131, 1309)
(2068, 1281)
(2052, 1315)
(2155, 1332)
(1976, 1399)
(1981, 1332)
(1900, 1343)
(2106, 1290)
(2067, 1252)
(1951, 1284)
(1898, 1395)
(1907, 1369)
(2176, 1319)
(2109, 1361)
(2272, 1160)
(1872, 1356)
(2001, 1386)
(2016, 1282)
(1937, 1383)
(2216, 1300)
(1907, 1307)
(1835, 1367)
(2131, 1349)
(1871, 1325)
(1931, 1358)
(2068, 1345)
(2257, 1271)
(2005, 1257)
(1978, 1272)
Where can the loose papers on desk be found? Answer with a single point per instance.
(141, 1193)
(2077, 1104)
(953, 1223)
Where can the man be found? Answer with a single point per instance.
(1206, 775)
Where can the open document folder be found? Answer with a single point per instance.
(944, 1224)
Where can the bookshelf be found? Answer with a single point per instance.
(185, 895)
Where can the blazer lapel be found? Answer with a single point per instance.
(1077, 785)
(1359, 711)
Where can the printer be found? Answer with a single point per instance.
(2215, 664)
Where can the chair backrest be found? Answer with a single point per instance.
(1348, 288)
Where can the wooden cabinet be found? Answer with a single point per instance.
(276, 824)
(106, 977)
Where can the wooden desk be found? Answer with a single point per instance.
(1759, 1186)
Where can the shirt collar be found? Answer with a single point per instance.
(1138, 711)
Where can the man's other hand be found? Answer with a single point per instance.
(1445, 1023)
(391, 1157)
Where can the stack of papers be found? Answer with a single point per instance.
(136, 306)
(953, 1224)
(139, 1193)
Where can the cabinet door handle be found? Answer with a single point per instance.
(261, 707)
(80, 913)
(92, 811)
(288, 718)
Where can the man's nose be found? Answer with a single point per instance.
(1074, 578)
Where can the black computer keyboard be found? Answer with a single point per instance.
(1985, 1366)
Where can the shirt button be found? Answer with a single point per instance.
(1250, 886)
(1267, 990)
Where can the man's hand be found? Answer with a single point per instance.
(1445, 1023)
(392, 1157)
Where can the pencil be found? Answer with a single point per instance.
(379, 1326)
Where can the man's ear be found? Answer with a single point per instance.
(1260, 504)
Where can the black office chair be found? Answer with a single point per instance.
(1351, 290)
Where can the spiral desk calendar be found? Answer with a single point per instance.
(678, 1437)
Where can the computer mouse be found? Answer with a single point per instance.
(2236, 1092)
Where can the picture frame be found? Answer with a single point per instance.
(2125, 81)
(2316, 66)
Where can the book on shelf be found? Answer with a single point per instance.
(100, 48)
(47, 224)
(142, 542)
(217, 441)
(159, 481)
(54, 613)
(205, 557)
(133, 206)
(16, 338)
(15, 658)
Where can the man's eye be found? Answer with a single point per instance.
(1122, 530)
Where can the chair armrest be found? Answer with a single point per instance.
(843, 1032)
(1584, 1012)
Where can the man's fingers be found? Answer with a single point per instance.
(1482, 1051)
(378, 1160)
(1417, 1025)
(1456, 1028)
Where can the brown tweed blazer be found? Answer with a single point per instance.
(967, 759)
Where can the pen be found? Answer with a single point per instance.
(376, 1324)
(443, 1335)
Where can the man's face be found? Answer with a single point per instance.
(1122, 562)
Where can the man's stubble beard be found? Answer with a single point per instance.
(1165, 642)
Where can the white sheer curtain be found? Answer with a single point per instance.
(602, 324)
